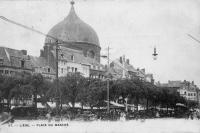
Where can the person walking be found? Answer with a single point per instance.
(48, 115)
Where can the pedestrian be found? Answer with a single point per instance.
(157, 114)
(48, 115)
(191, 116)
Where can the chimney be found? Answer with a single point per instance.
(120, 59)
(127, 61)
(24, 52)
(112, 64)
(41, 53)
(29, 57)
(143, 70)
(123, 58)
(192, 82)
(106, 67)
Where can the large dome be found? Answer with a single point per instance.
(73, 29)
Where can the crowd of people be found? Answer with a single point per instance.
(89, 115)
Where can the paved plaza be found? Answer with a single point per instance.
(133, 126)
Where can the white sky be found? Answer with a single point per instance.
(129, 27)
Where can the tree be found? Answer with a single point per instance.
(96, 93)
(36, 82)
(70, 86)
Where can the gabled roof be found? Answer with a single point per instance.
(13, 58)
(127, 67)
(38, 61)
(175, 83)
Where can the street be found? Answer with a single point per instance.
(167, 125)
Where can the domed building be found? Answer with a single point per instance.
(79, 47)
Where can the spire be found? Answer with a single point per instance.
(72, 11)
(72, 14)
(72, 3)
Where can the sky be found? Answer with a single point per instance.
(130, 27)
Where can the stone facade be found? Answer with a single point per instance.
(186, 89)
(79, 48)
(14, 61)
(121, 68)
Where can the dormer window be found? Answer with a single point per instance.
(1, 61)
(48, 70)
(72, 57)
(22, 63)
(62, 55)
(91, 54)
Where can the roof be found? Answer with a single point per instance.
(175, 83)
(73, 29)
(41, 63)
(117, 68)
(13, 58)
(112, 73)
(38, 61)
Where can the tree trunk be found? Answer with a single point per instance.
(167, 108)
(147, 105)
(35, 102)
(82, 106)
(137, 102)
(35, 99)
(8, 104)
(73, 104)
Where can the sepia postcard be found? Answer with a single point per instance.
(100, 66)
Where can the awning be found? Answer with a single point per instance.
(115, 104)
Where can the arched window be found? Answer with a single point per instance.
(72, 57)
(91, 54)
(22, 63)
(48, 70)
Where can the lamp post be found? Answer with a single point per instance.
(108, 66)
(57, 88)
(108, 99)
(108, 95)
(57, 91)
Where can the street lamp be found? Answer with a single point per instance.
(58, 94)
(108, 97)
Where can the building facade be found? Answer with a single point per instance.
(186, 89)
(79, 51)
(79, 47)
(121, 68)
(14, 61)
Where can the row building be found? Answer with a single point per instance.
(79, 51)
(186, 89)
(122, 68)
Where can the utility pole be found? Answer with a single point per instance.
(108, 97)
(57, 89)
